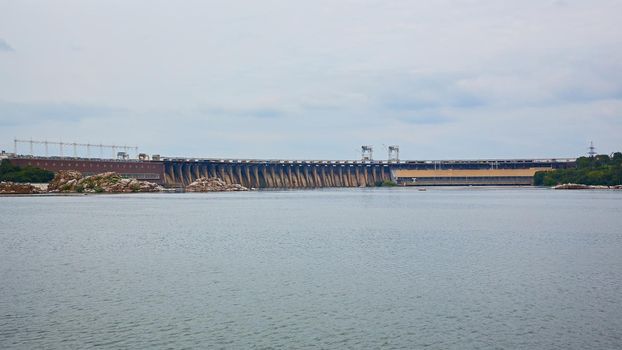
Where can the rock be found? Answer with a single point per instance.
(213, 184)
(41, 187)
(60, 182)
(571, 186)
(17, 188)
(109, 182)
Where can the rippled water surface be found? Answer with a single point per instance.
(359, 268)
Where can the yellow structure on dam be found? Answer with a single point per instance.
(448, 177)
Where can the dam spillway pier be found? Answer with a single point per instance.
(277, 174)
(254, 173)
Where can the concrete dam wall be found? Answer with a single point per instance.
(283, 174)
(330, 173)
(180, 172)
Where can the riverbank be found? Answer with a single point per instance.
(73, 182)
(573, 186)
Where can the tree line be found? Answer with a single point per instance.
(598, 170)
(13, 173)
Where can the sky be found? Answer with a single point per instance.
(463, 79)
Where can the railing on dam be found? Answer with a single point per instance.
(393, 162)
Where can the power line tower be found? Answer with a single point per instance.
(367, 153)
(74, 145)
(592, 150)
(394, 154)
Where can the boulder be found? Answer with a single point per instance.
(17, 188)
(571, 186)
(213, 184)
(109, 182)
(64, 181)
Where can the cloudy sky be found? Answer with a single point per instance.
(315, 79)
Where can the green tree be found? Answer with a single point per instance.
(13, 173)
(599, 170)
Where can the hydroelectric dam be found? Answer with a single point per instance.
(255, 173)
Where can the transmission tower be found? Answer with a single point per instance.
(367, 153)
(394, 153)
(592, 150)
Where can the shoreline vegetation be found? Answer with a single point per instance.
(28, 174)
(385, 183)
(598, 172)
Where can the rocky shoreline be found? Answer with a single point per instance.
(213, 184)
(7, 187)
(67, 182)
(110, 182)
(571, 186)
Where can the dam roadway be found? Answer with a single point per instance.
(256, 173)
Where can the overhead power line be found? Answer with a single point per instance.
(73, 145)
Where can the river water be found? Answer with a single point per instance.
(461, 268)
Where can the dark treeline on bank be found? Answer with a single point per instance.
(10, 172)
(598, 170)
